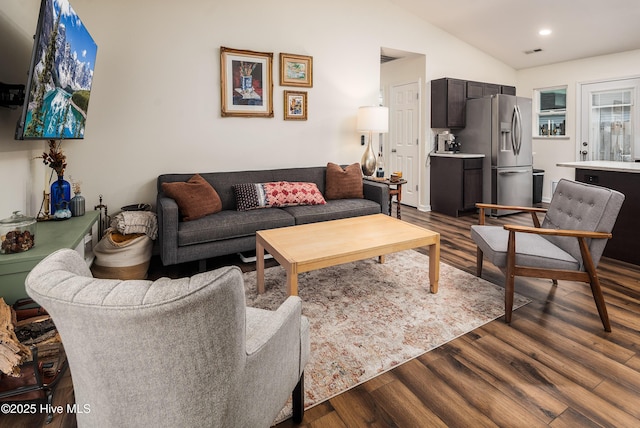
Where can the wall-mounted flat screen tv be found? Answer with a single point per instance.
(60, 76)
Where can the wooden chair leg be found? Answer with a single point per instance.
(509, 287)
(600, 304)
(508, 298)
(596, 290)
(297, 399)
(479, 257)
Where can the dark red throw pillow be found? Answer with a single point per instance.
(196, 198)
(343, 183)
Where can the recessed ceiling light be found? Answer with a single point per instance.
(544, 32)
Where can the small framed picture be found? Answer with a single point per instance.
(296, 70)
(295, 105)
(246, 83)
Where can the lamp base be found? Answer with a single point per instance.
(368, 161)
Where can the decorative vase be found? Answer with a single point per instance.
(368, 161)
(247, 83)
(77, 205)
(60, 193)
(62, 211)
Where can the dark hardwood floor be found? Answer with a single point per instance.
(553, 366)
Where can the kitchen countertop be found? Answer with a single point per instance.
(632, 167)
(458, 155)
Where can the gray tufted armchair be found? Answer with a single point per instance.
(568, 245)
(172, 353)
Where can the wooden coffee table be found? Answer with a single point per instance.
(314, 246)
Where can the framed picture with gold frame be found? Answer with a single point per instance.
(246, 83)
(295, 105)
(296, 70)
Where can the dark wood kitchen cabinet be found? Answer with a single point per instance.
(448, 98)
(456, 183)
(508, 90)
(626, 233)
(481, 89)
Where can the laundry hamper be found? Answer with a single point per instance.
(121, 256)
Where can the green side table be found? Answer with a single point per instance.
(76, 233)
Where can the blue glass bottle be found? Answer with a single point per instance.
(60, 191)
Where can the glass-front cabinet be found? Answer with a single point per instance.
(551, 111)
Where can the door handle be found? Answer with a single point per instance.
(514, 121)
(584, 152)
(513, 171)
(519, 129)
(393, 150)
(516, 130)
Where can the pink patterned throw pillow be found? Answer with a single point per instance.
(250, 196)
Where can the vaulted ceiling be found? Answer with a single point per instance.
(508, 29)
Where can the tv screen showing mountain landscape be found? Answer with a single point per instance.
(60, 77)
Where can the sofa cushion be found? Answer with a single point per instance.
(196, 198)
(344, 183)
(230, 224)
(251, 196)
(333, 210)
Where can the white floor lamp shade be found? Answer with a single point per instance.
(371, 119)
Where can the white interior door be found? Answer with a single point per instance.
(609, 116)
(404, 138)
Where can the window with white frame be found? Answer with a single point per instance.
(551, 112)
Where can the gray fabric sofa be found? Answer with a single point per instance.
(231, 231)
(185, 352)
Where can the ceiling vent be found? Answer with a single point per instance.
(387, 58)
(532, 51)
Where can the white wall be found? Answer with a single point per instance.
(155, 101)
(17, 168)
(549, 152)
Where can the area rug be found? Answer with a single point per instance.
(367, 318)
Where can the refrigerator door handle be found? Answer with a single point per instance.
(519, 129)
(514, 127)
(511, 172)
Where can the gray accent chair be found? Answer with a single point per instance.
(175, 353)
(568, 245)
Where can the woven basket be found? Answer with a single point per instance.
(122, 256)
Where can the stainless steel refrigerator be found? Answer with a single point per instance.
(499, 127)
